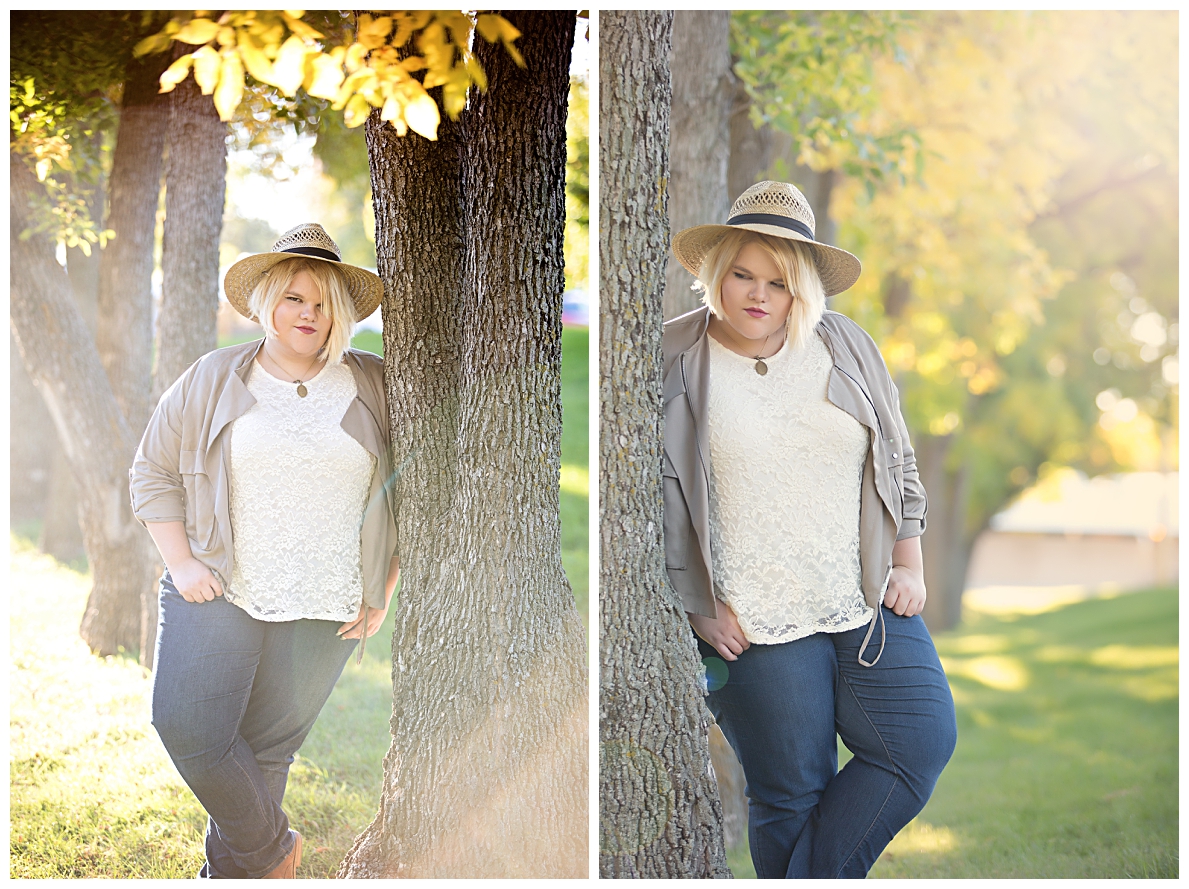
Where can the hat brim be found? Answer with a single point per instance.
(838, 269)
(365, 288)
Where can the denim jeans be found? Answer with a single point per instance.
(780, 708)
(233, 698)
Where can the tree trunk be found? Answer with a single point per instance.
(97, 440)
(61, 534)
(947, 543)
(699, 144)
(659, 810)
(487, 772)
(195, 181)
(752, 149)
(729, 777)
(125, 332)
(31, 437)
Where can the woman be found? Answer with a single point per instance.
(793, 516)
(261, 478)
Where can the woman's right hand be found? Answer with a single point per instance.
(722, 633)
(195, 581)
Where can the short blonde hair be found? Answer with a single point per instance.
(337, 305)
(796, 265)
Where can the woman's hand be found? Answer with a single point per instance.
(375, 617)
(906, 587)
(195, 581)
(722, 633)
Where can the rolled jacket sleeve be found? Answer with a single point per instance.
(155, 482)
(915, 502)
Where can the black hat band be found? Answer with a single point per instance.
(316, 252)
(772, 219)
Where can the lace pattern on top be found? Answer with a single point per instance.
(786, 472)
(299, 486)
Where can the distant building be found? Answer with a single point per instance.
(1118, 531)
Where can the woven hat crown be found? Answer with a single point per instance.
(776, 199)
(309, 234)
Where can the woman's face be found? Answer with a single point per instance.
(301, 326)
(755, 298)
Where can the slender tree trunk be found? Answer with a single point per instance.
(486, 774)
(125, 331)
(195, 181)
(947, 542)
(699, 144)
(659, 810)
(32, 438)
(97, 440)
(61, 533)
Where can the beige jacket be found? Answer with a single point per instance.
(182, 468)
(893, 502)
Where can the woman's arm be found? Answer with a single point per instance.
(375, 616)
(906, 588)
(193, 579)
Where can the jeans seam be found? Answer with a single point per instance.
(896, 777)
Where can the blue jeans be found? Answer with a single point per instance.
(233, 698)
(780, 708)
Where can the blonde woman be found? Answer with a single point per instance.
(793, 515)
(261, 478)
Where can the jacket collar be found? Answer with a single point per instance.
(234, 400)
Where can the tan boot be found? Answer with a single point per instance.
(287, 869)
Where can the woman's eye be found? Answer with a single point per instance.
(741, 276)
(779, 285)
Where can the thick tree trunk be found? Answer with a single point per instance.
(487, 772)
(32, 438)
(699, 144)
(61, 533)
(659, 810)
(98, 442)
(125, 331)
(195, 182)
(947, 542)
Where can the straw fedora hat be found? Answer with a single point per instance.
(780, 210)
(309, 240)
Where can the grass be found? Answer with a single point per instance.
(1066, 765)
(575, 484)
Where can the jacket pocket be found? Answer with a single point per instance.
(677, 522)
(200, 499)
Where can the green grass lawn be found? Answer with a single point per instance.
(1066, 765)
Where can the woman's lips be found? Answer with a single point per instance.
(756, 313)
(307, 330)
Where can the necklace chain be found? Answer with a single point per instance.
(302, 391)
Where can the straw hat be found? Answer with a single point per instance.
(309, 240)
(780, 210)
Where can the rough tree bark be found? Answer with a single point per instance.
(195, 182)
(125, 331)
(699, 143)
(486, 774)
(659, 814)
(97, 440)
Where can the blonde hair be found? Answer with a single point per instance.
(796, 265)
(337, 305)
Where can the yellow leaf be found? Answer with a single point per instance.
(300, 28)
(391, 110)
(43, 168)
(226, 37)
(372, 32)
(206, 69)
(423, 117)
(198, 31)
(289, 68)
(356, 56)
(156, 43)
(256, 62)
(357, 111)
(231, 87)
(176, 72)
(328, 75)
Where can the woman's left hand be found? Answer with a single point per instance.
(906, 587)
(375, 617)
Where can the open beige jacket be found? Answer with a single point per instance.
(893, 502)
(182, 468)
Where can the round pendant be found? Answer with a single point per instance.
(302, 390)
(761, 368)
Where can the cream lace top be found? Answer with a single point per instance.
(786, 470)
(299, 485)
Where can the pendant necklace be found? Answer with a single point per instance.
(761, 367)
(302, 391)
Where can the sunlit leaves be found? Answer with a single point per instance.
(376, 71)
